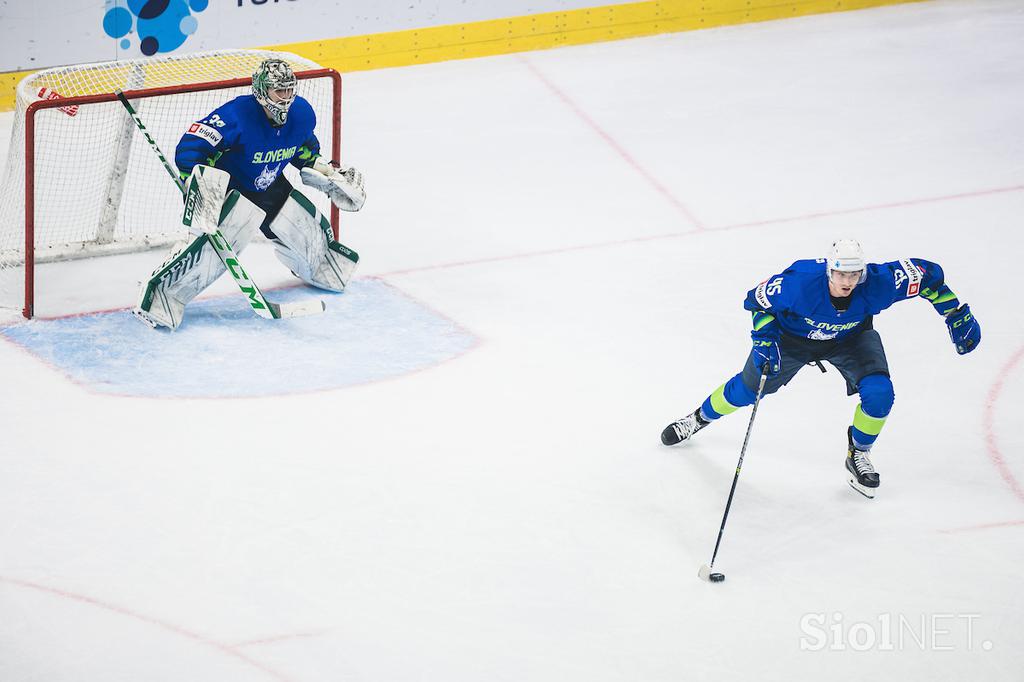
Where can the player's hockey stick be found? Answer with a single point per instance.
(259, 303)
(705, 571)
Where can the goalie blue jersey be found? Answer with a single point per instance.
(237, 137)
(798, 298)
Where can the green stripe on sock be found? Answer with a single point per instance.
(866, 423)
(720, 404)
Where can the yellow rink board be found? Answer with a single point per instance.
(535, 32)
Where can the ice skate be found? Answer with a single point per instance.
(683, 429)
(862, 475)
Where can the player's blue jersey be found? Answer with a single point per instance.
(237, 137)
(798, 298)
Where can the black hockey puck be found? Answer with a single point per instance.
(717, 577)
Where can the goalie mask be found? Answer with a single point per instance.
(273, 85)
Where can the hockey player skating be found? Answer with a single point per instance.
(235, 158)
(821, 310)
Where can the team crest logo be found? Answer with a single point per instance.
(267, 176)
(819, 335)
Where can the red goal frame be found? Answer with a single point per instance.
(30, 147)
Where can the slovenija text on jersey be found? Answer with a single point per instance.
(274, 155)
(826, 326)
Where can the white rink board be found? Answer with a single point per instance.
(40, 35)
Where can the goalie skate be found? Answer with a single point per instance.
(861, 474)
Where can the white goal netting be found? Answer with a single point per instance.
(98, 186)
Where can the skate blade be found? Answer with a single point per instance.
(866, 492)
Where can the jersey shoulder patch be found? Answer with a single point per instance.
(766, 289)
(221, 123)
(206, 132)
(904, 271)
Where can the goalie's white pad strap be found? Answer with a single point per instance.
(305, 244)
(205, 192)
(344, 187)
(193, 265)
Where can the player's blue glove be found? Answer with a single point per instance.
(766, 351)
(964, 330)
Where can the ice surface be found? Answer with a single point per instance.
(592, 216)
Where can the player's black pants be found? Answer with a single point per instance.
(270, 201)
(860, 359)
(855, 356)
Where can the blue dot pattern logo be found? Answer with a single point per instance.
(161, 25)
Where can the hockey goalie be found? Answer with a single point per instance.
(233, 159)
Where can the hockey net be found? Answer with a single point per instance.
(81, 181)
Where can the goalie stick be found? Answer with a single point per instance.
(257, 301)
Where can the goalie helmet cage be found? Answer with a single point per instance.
(81, 181)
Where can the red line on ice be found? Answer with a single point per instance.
(279, 638)
(704, 230)
(225, 649)
(613, 143)
(984, 526)
(879, 207)
(530, 254)
(987, 418)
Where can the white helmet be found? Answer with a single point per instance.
(847, 256)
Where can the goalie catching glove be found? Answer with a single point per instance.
(344, 186)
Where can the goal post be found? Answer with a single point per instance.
(79, 182)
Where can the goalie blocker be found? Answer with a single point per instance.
(304, 243)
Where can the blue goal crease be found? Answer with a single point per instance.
(369, 333)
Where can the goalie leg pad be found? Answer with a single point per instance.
(305, 244)
(194, 265)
